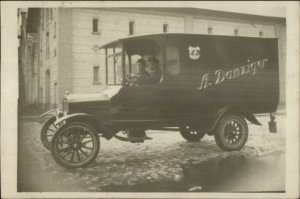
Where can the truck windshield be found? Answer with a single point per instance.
(142, 63)
(115, 74)
(113, 65)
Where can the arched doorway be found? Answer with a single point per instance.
(41, 98)
(47, 89)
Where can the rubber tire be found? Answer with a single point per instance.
(96, 142)
(219, 134)
(43, 133)
(189, 137)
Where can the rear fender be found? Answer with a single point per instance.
(219, 114)
(216, 118)
(251, 118)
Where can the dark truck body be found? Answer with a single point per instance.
(235, 72)
(208, 85)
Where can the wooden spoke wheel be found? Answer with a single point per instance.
(191, 134)
(47, 132)
(231, 133)
(75, 145)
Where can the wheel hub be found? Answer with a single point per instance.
(232, 132)
(76, 145)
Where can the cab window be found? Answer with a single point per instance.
(131, 65)
(172, 61)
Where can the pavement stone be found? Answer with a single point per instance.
(166, 157)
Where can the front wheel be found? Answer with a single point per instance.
(75, 145)
(231, 133)
(190, 134)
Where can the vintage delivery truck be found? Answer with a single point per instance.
(194, 84)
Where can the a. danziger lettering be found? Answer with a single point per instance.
(221, 75)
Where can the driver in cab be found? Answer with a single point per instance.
(150, 73)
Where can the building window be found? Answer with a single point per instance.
(172, 60)
(96, 75)
(131, 27)
(51, 13)
(41, 95)
(261, 33)
(47, 14)
(42, 19)
(166, 28)
(55, 90)
(209, 30)
(95, 26)
(33, 59)
(236, 32)
(47, 45)
(54, 31)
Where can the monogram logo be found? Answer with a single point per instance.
(194, 52)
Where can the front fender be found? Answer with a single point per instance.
(55, 112)
(77, 117)
(83, 117)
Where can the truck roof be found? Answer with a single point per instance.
(179, 35)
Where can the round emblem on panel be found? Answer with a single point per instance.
(194, 52)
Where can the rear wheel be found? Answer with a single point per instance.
(232, 132)
(191, 134)
(75, 145)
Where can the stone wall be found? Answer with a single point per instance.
(48, 62)
(73, 66)
(112, 25)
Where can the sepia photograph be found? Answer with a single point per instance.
(143, 98)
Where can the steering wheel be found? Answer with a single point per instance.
(130, 79)
(130, 76)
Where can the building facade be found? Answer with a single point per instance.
(67, 40)
(22, 15)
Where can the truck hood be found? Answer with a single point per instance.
(106, 94)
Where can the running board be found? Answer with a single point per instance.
(166, 129)
(132, 139)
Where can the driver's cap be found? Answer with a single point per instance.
(141, 61)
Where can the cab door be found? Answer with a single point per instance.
(174, 95)
(138, 103)
(184, 67)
